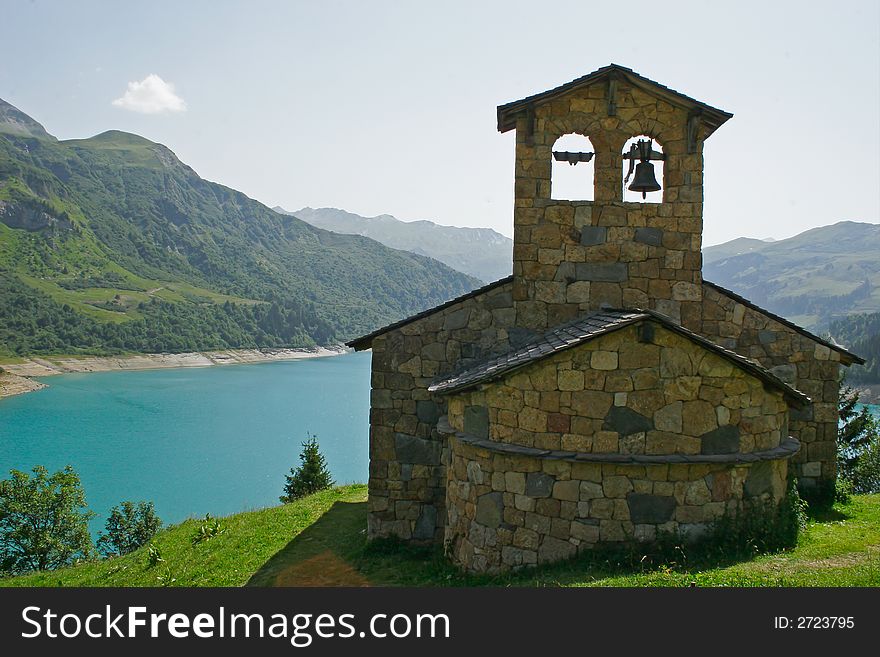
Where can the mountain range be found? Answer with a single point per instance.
(479, 252)
(812, 278)
(113, 243)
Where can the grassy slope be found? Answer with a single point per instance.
(321, 541)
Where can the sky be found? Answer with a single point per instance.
(390, 107)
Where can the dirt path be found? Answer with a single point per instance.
(325, 569)
(322, 555)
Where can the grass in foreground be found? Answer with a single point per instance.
(248, 541)
(321, 540)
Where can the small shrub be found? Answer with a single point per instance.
(311, 476)
(129, 526)
(843, 490)
(154, 556)
(210, 528)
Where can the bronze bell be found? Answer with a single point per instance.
(644, 180)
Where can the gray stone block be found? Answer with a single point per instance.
(500, 300)
(565, 272)
(626, 421)
(723, 440)
(539, 484)
(490, 509)
(410, 449)
(760, 479)
(766, 337)
(614, 272)
(426, 524)
(787, 373)
(427, 411)
(652, 236)
(476, 421)
(804, 414)
(650, 509)
(457, 319)
(592, 235)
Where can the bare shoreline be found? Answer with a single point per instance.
(16, 378)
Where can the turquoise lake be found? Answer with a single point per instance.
(205, 440)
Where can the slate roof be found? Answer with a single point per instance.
(712, 117)
(365, 341)
(853, 358)
(588, 328)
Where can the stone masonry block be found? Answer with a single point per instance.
(592, 235)
(614, 272)
(650, 509)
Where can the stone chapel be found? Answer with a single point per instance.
(604, 391)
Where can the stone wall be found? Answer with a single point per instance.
(638, 431)
(642, 389)
(797, 359)
(574, 256)
(407, 471)
(511, 510)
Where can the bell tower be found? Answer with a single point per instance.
(574, 256)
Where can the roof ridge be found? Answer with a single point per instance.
(363, 341)
(785, 322)
(716, 117)
(540, 347)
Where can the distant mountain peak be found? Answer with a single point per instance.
(115, 139)
(129, 144)
(16, 122)
(479, 252)
(120, 136)
(809, 278)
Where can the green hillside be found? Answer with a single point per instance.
(320, 540)
(862, 334)
(113, 237)
(811, 278)
(14, 121)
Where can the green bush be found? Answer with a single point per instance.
(43, 520)
(129, 526)
(311, 476)
(865, 474)
(154, 556)
(760, 526)
(843, 490)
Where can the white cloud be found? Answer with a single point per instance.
(152, 95)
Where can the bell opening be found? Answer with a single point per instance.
(571, 177)
(643, 179)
